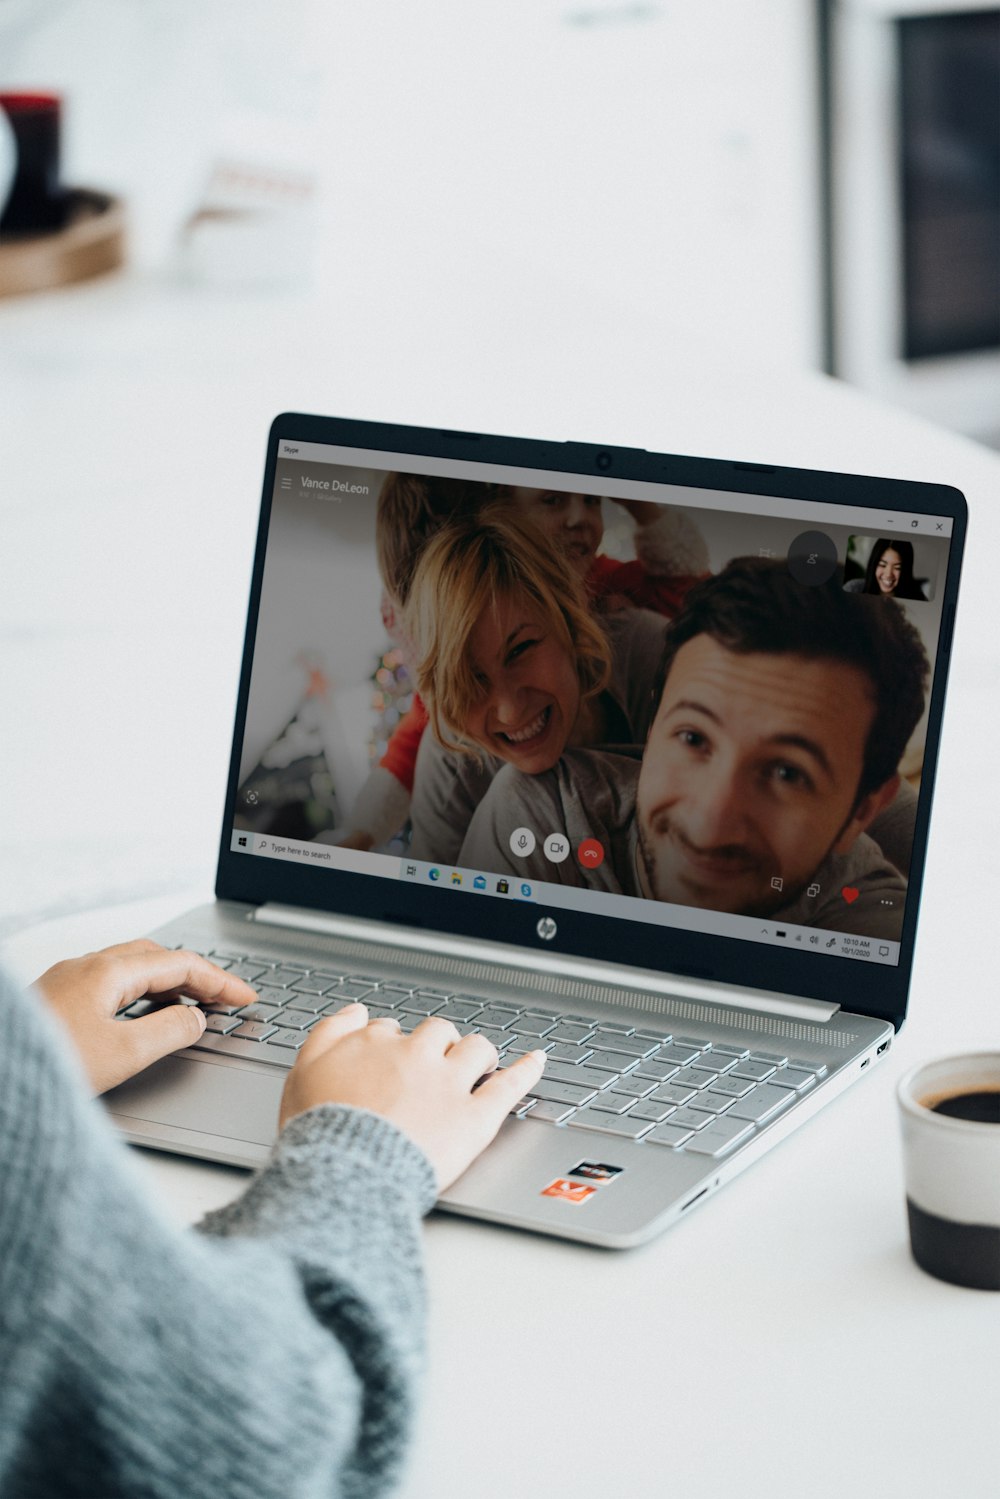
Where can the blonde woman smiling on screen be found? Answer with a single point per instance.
(514, 668)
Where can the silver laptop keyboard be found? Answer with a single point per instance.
(681, 1091)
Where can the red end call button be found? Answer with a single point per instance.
(590, 853)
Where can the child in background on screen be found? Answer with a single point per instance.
(671, 556)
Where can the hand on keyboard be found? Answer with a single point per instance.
(422, 1082)
(87, 993)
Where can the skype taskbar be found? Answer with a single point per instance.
(568, 898)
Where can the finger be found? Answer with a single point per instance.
(161, 970)
(157, 1035)
(331, 1029)
(435, 1034)
(503, 1089)
(473, 1055)
(388, 1020)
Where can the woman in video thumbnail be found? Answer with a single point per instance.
(890, 571)
(513, 667)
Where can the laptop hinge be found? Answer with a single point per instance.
(381, 934)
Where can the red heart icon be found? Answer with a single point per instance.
(850, 893)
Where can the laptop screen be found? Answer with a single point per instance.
(695, 709)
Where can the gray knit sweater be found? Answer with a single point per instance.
(274, 1352)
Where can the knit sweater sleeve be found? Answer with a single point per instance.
(276, 1352)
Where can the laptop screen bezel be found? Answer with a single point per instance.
(878, 990)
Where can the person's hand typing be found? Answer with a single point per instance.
(423, 1083)
(87, 993)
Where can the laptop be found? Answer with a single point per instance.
(618, 754)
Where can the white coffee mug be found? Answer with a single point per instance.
(952, 1167)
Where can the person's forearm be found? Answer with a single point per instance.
(275, 1353)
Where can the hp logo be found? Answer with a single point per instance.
(546, 929)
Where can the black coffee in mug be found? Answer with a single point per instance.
(983, 1106)
(950, 1113)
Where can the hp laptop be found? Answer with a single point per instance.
(621, 755)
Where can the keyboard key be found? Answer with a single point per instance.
(671, 1093)
(284, 977)
(313, 985)
(713, 1061)
(736, 1087)
(620, 1027)
(564, 1072)
(532, 1025)
(255, 1030)
(221, 1024)
(459, 1010)
(561, 1092)
(612, 1061)
(565, 1051)
(739, 1052)
(694, 1077)
(323, 976)
(667, 1134)
(397, 989)
(690, 1118)
(520, 1047)
(499, 1038)
(347, 992)
(258, 1012)
(631, 1046)
(610, 1124)
(247, 971)
(551, 1112)
(790, 1077)
(774, 1057)
(654, 1112)
(497, 1017)
(762, 1103)
(571, 1031)
(256, 1051)
(635, 1087)
(756, 1071)
(657, 1036)
(297, 1020)
(319, 1004)
(711, 1102)
(721, 1137)
(420, 1004)
(612, 1103)
(658, 1070)
(291, 1039)
(674, 1053)
(819, 1069)
(522, 1107)
(227, 954)
(441, 994)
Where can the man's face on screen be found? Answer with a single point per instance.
(572, 521)
(750, 775)
(530, 691)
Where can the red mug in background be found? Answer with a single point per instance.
(37, 202)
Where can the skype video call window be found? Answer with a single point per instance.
(664, 704)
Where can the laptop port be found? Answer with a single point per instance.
(866, 1061)
(882, 1048)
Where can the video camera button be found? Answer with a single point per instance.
(556, 848)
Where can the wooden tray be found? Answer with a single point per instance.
(91, 242)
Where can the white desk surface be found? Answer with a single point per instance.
(780, 1335)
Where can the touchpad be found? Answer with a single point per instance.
(234, 1102)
